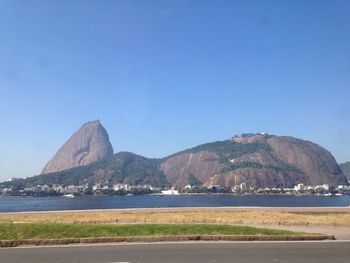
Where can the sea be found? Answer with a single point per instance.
(58, 203)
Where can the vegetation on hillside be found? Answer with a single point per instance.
(241, 165)
(123, 167)
(193, 181)
(228, 149)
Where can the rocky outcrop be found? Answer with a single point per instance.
(258, 160)
(89, 144)
(314, 161)
(345, 167)
(201, 164)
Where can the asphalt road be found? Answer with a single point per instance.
(197, 252)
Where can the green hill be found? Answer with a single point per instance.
(123, 167)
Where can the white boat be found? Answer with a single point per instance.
(69, 195)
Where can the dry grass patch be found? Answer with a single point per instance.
(166, 217)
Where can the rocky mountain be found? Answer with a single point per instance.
(345, 167)
(89, 144)
(121, 167)
(258, 160)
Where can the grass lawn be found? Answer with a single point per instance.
(48, 231)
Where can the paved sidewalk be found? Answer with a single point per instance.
(339, 232)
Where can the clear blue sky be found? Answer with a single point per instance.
(167, 75)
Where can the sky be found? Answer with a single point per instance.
(163, 76)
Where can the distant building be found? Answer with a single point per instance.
(322, 187)
(106, 187)
(243, 187)
(120, 186)
(170, 192)
(299, 187)
(72, 189)
(236, 188)
(96, 187)
(29, 189)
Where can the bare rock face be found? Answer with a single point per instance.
(345, 167)
(259, 160)
(316, 162)
(201, 164)
(89, 144)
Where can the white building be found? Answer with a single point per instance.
(106, 187)
(119, 186)
(322, 187)
(96, 187)
(299, 187)
(72, 189)
(243, 187)
(170, 192)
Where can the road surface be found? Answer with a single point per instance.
(196, 252)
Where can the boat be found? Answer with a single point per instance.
(69, 195)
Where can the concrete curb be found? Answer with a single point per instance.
(67, 241)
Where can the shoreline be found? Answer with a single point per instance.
(338, 209)
(186, 194)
